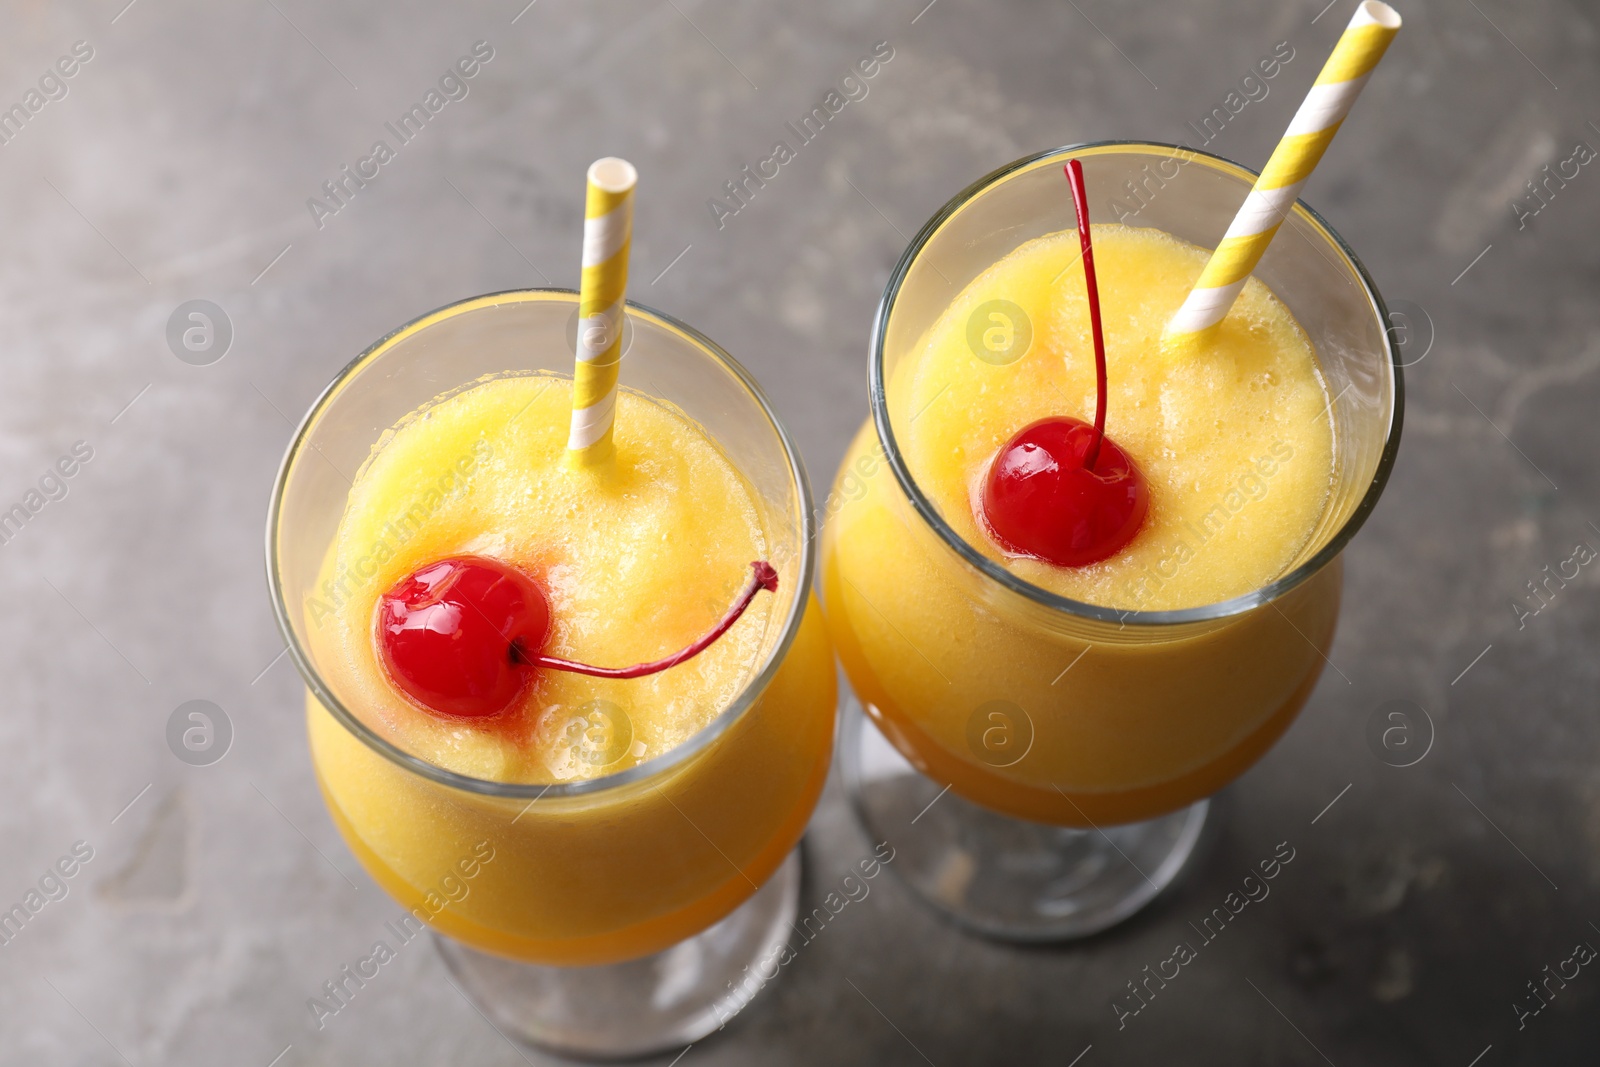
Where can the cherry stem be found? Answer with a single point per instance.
(1080, 203)
(763, 576)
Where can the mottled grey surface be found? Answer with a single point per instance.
(178, 166)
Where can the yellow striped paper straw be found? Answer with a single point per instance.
(607, 235)
(1342, 79)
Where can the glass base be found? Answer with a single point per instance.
(642, 1006)
(999, 876)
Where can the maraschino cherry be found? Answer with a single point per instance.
(1061, 490)
(465, 635)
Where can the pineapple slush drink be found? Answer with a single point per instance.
(1237, 449)
(638, 558)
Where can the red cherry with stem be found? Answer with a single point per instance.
(1060, 489)
(464, 636)
(1042, 498)
(449, 630)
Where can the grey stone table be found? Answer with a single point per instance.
(206, 903)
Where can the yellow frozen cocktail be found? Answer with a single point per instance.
(566, 819)
(571, 700)
(1237, 450)
(639, 558)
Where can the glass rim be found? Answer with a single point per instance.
(651, 768)
(1221, 609)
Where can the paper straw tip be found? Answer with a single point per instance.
(1374, 12)
(613, 175)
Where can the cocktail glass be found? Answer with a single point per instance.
(1041, 766)
(621, 915)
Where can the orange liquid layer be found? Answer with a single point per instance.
(1117, 727)
(580, 882)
